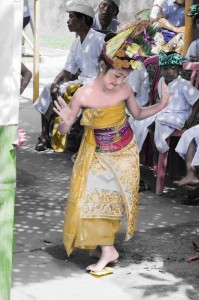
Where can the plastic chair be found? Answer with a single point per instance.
(190, 72)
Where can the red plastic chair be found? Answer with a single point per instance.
(191, 72)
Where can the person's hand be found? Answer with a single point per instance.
(62, 109)
(54, 91)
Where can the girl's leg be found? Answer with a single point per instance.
(109, 254)
(191, 177)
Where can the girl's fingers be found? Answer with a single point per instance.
(61, 101)
(57, 112)
(57, 105)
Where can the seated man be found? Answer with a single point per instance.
(171, 27)
(104, 20)
(82, 58)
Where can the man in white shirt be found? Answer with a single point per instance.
(82, 58)
(104, 19)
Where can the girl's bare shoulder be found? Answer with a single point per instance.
(126, 88)
(83, 94)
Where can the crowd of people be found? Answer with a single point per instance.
(104, 89)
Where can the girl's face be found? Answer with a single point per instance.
(113, 78)
(170, 72)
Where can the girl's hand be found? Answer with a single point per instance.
(62, 109)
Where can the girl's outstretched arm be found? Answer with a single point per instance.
(140, 113)
(68, 113)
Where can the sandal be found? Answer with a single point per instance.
(193, 257)
(43, 144)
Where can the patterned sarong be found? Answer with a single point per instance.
(103, 185)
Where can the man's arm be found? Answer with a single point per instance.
(164, 23)
(63, 76)
(26, 76)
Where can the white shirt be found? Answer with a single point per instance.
(184, 95)
(112, 27)
(139, 81)
(193, 49)
(84, 56)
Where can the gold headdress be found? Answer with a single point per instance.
(127, 48)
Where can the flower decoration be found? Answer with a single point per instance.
(117, 63)
(135, 64)
(126, 64)
(132, 49)
(120, 53)
(127, 48)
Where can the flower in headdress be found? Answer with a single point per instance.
(126, 64)
(135, 64)
(120, 53)
(117, 63)
(132, 49)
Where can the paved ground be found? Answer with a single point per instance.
(152, 265)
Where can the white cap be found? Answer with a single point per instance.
(80, 6)
(117, 2)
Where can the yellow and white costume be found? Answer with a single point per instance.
(103, 185)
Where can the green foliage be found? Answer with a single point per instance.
(151, 30)
(139, 39)
(146, 48)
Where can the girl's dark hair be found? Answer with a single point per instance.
(108, 66)
(88, 19)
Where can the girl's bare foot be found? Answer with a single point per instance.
(109, 254)
(187, 180)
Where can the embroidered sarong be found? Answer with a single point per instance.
(103, 185)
